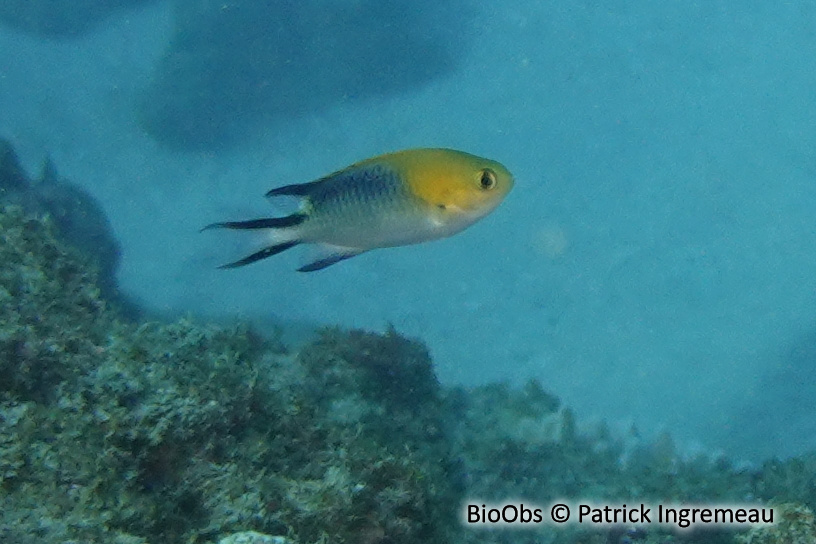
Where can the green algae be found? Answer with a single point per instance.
(52, 319)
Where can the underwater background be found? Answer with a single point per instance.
(653, 267)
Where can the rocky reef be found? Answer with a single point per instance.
(796, 525)
(79, 220)
(147, 432)
(114, 431)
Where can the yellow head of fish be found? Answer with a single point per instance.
(454, 182)
(400, 198)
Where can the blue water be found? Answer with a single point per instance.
(653, 265)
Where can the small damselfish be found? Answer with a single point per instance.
(400, 198)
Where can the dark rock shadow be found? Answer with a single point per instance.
(61, 19)
(233, 68)
(782, 409)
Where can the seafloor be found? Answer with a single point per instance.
(117, 429)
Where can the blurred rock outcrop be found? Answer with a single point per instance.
(231, 68)
(61, 18)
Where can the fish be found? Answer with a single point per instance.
(400, 198)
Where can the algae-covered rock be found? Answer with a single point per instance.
(793, 524)
(149, 433)
(79, 220)
(252, 537)
(94, 412)
(51, 314)
(387, 368)
(181, 432)
(383, 473)
(791, 480)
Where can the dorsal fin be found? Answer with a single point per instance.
(297, 189)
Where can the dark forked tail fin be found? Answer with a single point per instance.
(280, 241)
(265, 223)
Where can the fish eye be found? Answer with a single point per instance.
(488, 179)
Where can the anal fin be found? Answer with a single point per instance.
(332, 255)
